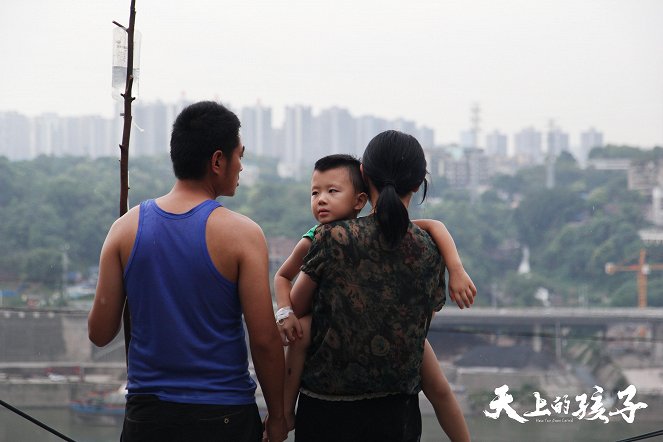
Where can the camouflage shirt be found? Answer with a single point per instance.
(372, 309)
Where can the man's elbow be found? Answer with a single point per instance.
(265, 344)
(97, 340)
(100, 338)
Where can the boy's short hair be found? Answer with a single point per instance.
(346, 161)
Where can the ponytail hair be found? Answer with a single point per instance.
(395, 163)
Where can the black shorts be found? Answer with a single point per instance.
(394, 418)
(149, 419)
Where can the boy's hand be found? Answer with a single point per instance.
(461, 288)
(290, 330)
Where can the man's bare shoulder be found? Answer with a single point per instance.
(126, 222)
(228, 220)
(122, 234)
(234, 240)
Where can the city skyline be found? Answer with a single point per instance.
(304, 135)
(582, 64)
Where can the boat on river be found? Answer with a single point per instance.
(101, 408)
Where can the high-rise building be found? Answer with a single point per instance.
(301, 140)
(589, 139)
(84, 136)
(14, 136)
(47, 135)
(101, 137)
(463, 168)
(257, 132)
(557, 141)
(406, 126)
(527, 146)
(426, 137)
(151, 132)
(335, 133)
(468, 139)
(496, 144)
(298, 140)
(368, 126)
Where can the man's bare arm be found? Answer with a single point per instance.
(106, 314)
(264, 339)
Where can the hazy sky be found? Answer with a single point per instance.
(580, 62)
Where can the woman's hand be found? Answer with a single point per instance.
(461, 288)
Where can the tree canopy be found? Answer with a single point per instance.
(52, 207)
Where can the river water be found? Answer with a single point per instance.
(16, 429)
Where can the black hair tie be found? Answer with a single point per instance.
(389, 183)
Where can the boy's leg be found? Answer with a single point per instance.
(438, 391)
(295, 356)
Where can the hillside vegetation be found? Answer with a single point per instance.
(52, 206)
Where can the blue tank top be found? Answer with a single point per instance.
(187, 334)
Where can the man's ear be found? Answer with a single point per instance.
(360, 201)
(217, 160)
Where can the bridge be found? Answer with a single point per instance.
(563, 316)
(560, 321)
(47, 336)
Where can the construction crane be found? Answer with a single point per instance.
(642, 268)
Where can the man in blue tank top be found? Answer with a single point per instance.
(190, 269)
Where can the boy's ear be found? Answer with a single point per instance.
(361, 201)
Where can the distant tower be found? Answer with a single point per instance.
(656, 212)
(550, 156)
(475, 122)
(524, 267)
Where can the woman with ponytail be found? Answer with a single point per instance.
(394, 166)
(377, 281)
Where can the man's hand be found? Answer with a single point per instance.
(276, 430)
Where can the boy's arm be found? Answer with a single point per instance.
(289, 328)
(461, 287)
(288, 271)
(302, 294)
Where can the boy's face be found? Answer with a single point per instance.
(333, 197)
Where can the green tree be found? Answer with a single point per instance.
(543, 210)
(43, 265)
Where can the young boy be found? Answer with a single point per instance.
(338, 192)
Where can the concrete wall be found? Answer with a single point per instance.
(45, 393)
(31, 336)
